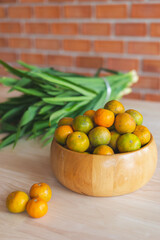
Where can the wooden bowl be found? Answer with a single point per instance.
(100, 175)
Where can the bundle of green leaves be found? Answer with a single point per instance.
(48, 95)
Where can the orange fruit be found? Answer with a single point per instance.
(143, 134)
(115, 106)
(104, 118)
(114, 137)
(136, 115)
(37, 207)
(128, 142)
(65, 121)
(62, 133)
(41, 190)
(90, 113)
(99, 136)
(103, 150)
(16, 201)
(78, 142)
(124, 123)
(82, 124)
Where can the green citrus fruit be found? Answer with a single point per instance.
(114, 137)
(128, 142)
(82, 124)
(99, 136)
(78, 142)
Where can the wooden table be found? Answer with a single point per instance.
(72, 216)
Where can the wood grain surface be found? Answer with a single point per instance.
(104, 176)
(71, 216)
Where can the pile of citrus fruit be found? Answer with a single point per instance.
(106, 131)
(36, 207)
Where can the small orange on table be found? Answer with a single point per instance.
(41, 190)
(62, 133)
(104, 117)
(65, 121)
(16, 201)
(143, 134)
(36, 207)
(124, 123)
(103, 150)
(78, 141)
(115, 106)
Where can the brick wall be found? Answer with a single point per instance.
(81, 35)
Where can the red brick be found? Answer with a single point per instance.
(3, 72)
(33, 58)
(8, 57)
(145, 10)
(152, 97)
(9, 27)
(37, 28)
(130, 29)
(64, 28)
(59, 60)
(20, 12)
(133, 95)
(89, 62)
(77, 11)
(155, 29)
(147, 82)
(2, 12)
(122, 64)
(3, 42)
(51, 44)
(111, 11)
(98, 29)
(150, 65)
(19, 43)
(109, 46)
(31, 1)
(8, 1)
(47, 12)
(54, 1)
(76, 45)
(152, 48)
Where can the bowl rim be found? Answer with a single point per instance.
(97, 155)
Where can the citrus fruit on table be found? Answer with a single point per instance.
(82, 124)
(128, 142)
(143, 134)
(65, 121)
(99, 136)
(16, 201)
(90, 113)
(37, 207)
(104, 117)
(103, 150)
(136, 115)
(41, 190)
(115, 106)
(113, 142)
(62, 133)
(124, 123)
(78, 141)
